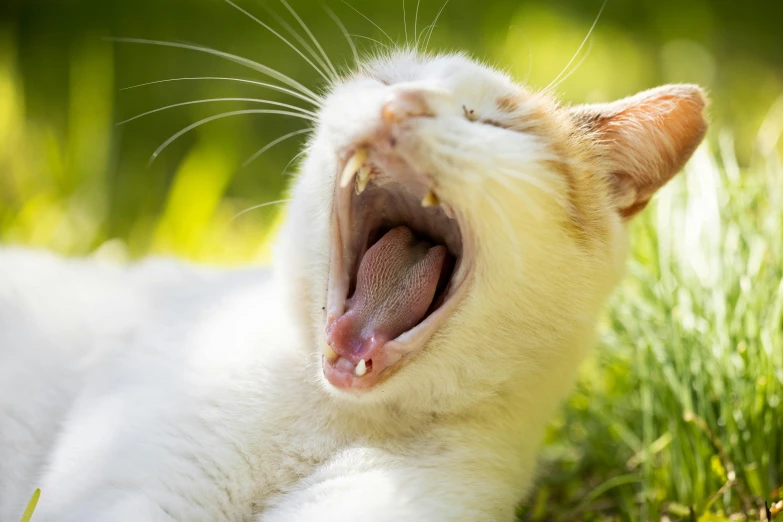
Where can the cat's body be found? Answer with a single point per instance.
(164, 369)
(165, 392)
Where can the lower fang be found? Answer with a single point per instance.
(361, 368)
(329, 352)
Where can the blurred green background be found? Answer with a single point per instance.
(680, 407)
(71, 179)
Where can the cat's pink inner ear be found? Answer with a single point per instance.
(645, 139)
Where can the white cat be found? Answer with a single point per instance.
(449, 245)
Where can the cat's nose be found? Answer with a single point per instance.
(405, 102)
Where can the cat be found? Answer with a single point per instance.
(450, 242)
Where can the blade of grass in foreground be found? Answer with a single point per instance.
(28, 512)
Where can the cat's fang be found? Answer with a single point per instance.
(352, 166)
(329, 352)
(430, 199)
(361, 368)
(362, 179)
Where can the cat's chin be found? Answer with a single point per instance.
(400, 265)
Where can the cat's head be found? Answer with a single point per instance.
(452, 234)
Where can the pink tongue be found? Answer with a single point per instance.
(395, 286)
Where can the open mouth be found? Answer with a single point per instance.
(398, 268)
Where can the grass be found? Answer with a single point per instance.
(679, 415)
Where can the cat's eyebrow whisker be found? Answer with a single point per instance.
(281, 37)
(387, 47)
(312, 37)
(415, 26)
(373, 23)
(581, 46)
(210, 100)
(572, 71)
(434, 22)
(271, 144)
(272, 73)
(299, 38)
(220, 116)
(405, 22)
(255, 207)
(241, 80)
(344, 31)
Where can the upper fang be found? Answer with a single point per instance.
(363, 178)
(430, 199)
(352, 166)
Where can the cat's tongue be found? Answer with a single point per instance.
(395, 285)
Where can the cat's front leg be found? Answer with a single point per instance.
(368, 485)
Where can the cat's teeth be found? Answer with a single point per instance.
(361, 368)
(329, 352)
(430, 199)
(352, 166)
(362, 179)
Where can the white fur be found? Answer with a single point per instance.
(166, 392)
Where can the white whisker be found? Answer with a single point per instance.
(241, 80)
(312, 37)
(272, 73)
(405, 22)
(434, 22)
(220, 116)
(415, 25)
(281, 37)
(344, 31)
(299, 38)
(573, 70)
(272, 144)
(194, 102)
(298, 155)
(509, 229)
(584, 41)
(373, 23)
(388, 48)
(262, 205)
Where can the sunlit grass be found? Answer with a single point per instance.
(681, 408)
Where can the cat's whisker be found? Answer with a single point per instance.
(573, 70)
(434, 22)
(272, 73)
(296, 156)
(581, 46)
(240, 80)
(281, 37)
(507, 225)
(210, 100)
(220, 116)
(391, 40)
(262, 205)
(344, 31)
(387, 47)
(405, 22)
(415, 26)
(272, 144)
(311, 35)
(299, 38)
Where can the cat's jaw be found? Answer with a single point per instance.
(378, 191)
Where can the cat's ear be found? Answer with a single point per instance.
(645, 139)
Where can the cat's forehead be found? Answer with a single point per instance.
(456, 73)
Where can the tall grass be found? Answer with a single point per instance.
(679, 415)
